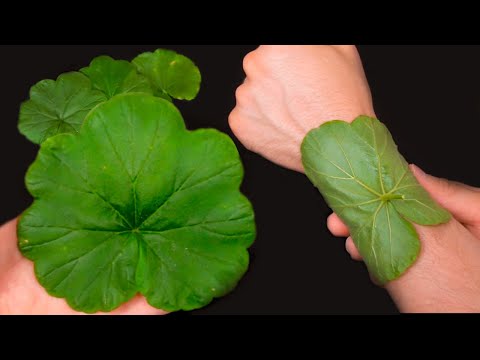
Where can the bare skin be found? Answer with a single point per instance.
(291, 89)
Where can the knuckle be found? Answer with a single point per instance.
(447, 187)
(237, 125)
(250, 62)
(243, 95)
(239, 93)
(348, 51)
(234, 122)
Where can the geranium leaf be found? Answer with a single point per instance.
(114, 77)
(170, 73)
(57, 107)
(137, 203)
(369, 185)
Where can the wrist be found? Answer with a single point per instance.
(348, 116)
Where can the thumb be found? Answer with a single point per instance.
(461, 200)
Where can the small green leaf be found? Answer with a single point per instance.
(57, 107)
(136, 203)
(114, 77)
(369, 185)
(170, 73)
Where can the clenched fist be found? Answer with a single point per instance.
(290, 90)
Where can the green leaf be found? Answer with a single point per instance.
(136, 203)
(369, 185)
(57, 107)
(114, 77)
(170, 73)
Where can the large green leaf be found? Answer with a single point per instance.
(114, 77)
(170, 73)
(57, 107)
(369, 185)
(136, 203)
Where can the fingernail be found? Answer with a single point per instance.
(417, 171)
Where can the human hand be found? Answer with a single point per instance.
(21, 294)
(290, 90)
(446, 275)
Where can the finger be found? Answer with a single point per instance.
(244, 96)
(352, 249)
(461, 200)
(336, 226)
(251, 63)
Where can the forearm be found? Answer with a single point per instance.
(445, 277)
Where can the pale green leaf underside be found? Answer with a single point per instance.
(369, 185)
(57, 107)
(135, 203)
(170, 74)
(114, 77)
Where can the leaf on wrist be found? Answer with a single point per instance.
(57, 107)
(170, 74)
(135, 203)
(368, 184)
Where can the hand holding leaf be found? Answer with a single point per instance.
(136, 203)
(128, 201)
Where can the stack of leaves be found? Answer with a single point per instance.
(126, 199)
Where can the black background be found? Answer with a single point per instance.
(429, 97)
